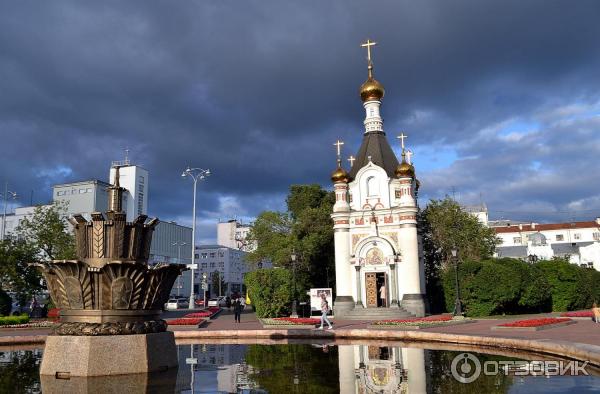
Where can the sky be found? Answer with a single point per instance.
(500, 100)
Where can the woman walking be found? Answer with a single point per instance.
(324, 311)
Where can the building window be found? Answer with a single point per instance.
(195, 256)
(212, 255)
(203, 265)
(577, 236)
(560, 237)
(81, 191)
(516, 240)
(596, 236)
(140, 203)
(88, 190)
(212, 265)
(372, 186)
(204, 255)
(141, 178)
(221, 254)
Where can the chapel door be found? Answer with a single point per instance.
(371, 289)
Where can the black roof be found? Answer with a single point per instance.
(375, 144)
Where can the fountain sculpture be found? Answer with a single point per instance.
(110, 299)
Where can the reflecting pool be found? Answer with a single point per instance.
(315, 368)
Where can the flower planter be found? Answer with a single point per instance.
(535, 324)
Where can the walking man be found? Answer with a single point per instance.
(237, 310)
(324, 311)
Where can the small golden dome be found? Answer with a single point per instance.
(340, 175)
(405, 170)
(371, 90)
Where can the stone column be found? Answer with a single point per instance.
(359, 303)
(343, 271)
(412, 293)
(393, 286)
(346, 368)
(415, 365)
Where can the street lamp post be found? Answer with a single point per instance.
(294, 302)
(6, 196)
(179, 245)
(457, 303)
(196, 174)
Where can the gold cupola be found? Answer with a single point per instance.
(340, 175)
(372, 89)
(405, 169)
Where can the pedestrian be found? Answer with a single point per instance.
(382, 295)
(237, 310)
(596, 313)
(324, 311)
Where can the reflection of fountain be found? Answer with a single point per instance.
(110, 299)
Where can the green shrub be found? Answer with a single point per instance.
(270, 290)
(573, 287)
(17, 319)
(5, 303)
(497, 286)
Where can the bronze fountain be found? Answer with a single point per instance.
(110, 290)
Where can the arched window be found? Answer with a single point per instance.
(372, 186)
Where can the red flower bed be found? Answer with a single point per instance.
(578, 314)
(428, 319)
(185, 321)
(208, 312)
(53, 313)
(299, 320)
(535, 322)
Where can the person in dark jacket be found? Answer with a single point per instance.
(237, 310)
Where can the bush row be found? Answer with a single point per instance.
(510, 286)
(17, 319)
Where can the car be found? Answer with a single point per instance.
(176, 303)
(218, 301)
(199, 302)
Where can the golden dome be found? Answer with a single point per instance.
(340, 175)
(405, 170)
(371, 90)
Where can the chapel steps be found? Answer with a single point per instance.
(377, 314)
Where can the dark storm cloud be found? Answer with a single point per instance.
(258, 91)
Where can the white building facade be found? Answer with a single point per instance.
(375, 223)
(579, 242)
(234, 234)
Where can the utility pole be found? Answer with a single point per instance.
(6, 195)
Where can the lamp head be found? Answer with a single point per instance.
(454, 252)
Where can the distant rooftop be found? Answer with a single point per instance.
(544, 227)
(79, 183)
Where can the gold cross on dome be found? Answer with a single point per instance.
(401, 137)
(368, 44)
(338, 144)
(351, 160)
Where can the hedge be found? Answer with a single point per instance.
(498, 286)
(270, 291)
(17, 319)
(510, 286)
(573, 287)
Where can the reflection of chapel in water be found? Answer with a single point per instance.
(378, 270)
(376, 369)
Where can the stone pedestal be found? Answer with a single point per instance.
(342, 305)
(139, 383)
(66, 356)
(414, 303)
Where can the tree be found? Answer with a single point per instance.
(43, 236)
(218, 283)
(16, 273)
(306, 229)
(449, 227)
(48, 233)
(443, 226)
